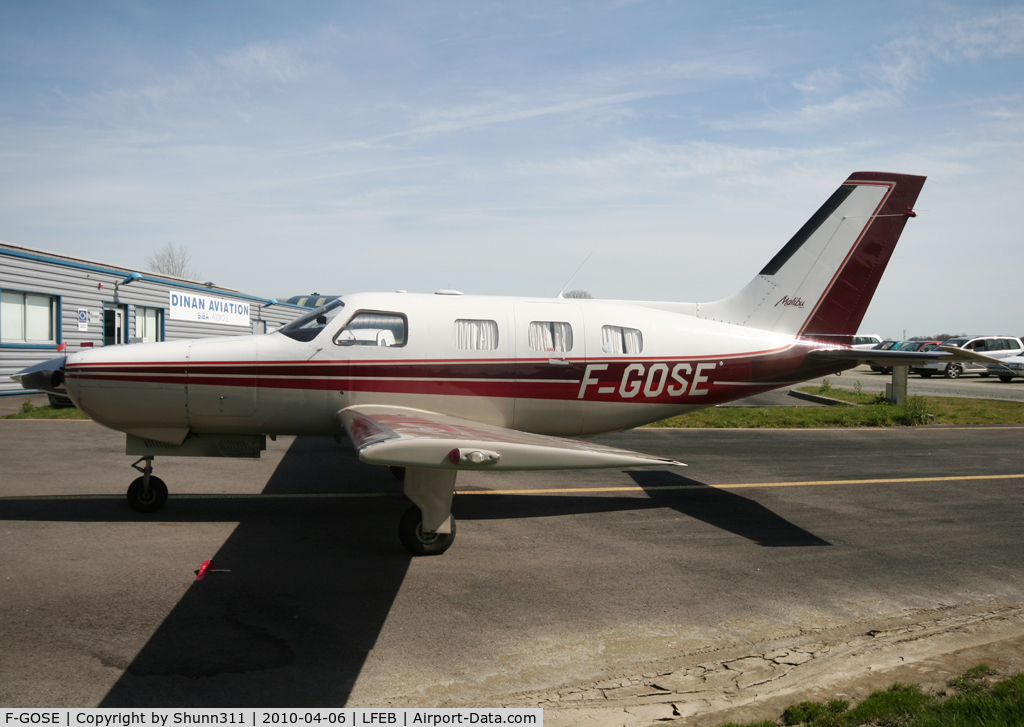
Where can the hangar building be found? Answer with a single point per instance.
(51, 302)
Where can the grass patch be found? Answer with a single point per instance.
(31, 411)
(873, 411)
(810, 417)
(975, 698)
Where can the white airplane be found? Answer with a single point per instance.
(440, 383)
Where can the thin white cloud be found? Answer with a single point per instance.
(263, 61)
(897, 69)
(823, 80)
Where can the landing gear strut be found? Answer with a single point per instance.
(146, 493)
(428, 528)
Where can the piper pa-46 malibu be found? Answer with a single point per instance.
(440, 383)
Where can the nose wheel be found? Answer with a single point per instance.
(146, 493)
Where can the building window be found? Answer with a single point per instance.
(373, 329)
(618, 339)
(550, 336)
(28, 318)
(148, 328)
(475, 335)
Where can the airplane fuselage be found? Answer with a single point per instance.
(564, 367)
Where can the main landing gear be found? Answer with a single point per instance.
(428, 527)
(146, 493)
(419, 542)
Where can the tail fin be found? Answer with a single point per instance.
(820, 284)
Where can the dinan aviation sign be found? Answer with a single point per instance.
(207, 309)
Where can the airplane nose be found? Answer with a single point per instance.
(47, 376)
(138, 389)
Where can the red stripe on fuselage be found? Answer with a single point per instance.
(621, 379)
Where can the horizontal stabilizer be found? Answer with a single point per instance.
(898, 358)
(45, 376)
(879, 358)
(401, 437)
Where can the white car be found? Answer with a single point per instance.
(1013, 366)
(992, 346)
(866, 340)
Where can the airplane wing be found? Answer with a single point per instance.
(402, 437)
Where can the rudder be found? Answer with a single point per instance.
(820, 283)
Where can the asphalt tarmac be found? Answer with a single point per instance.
(555, 578)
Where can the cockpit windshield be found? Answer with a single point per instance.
(309, 325)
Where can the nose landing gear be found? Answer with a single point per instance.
(146, 493)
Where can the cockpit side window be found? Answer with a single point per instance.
(373, 328)
(310, 325)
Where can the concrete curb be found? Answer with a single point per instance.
(819, 399)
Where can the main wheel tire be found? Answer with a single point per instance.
(1005, 378)
(417, 542)
(152, 501)
(953, 371)
(398, 472)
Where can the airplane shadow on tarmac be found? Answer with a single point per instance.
(311, 583)
(717, 507)
(313, 578)
(725, 510)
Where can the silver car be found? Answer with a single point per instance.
(993, 346)
(1013, 366)
(866, 340)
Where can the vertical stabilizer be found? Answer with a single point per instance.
(820, 283)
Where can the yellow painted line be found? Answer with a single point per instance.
(923, 429)
(637, 488)
(539, 491)
(209, 496)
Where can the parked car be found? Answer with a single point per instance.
(906, 346)
(994, 346)
(883, 346)
(866, 340)
(1010, 367)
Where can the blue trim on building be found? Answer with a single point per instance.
(149, 278)
(59, 332)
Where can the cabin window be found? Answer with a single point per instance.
(550, 336)
(147, 325)
(618, 339)
(27, 318)
(373, 329)
(475, 335)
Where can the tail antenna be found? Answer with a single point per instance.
(574, 275)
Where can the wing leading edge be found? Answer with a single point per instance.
(389, 435)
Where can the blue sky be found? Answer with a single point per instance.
(490, 147)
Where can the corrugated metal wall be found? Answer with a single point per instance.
(76, 283)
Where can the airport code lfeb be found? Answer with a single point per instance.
(160, 718)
